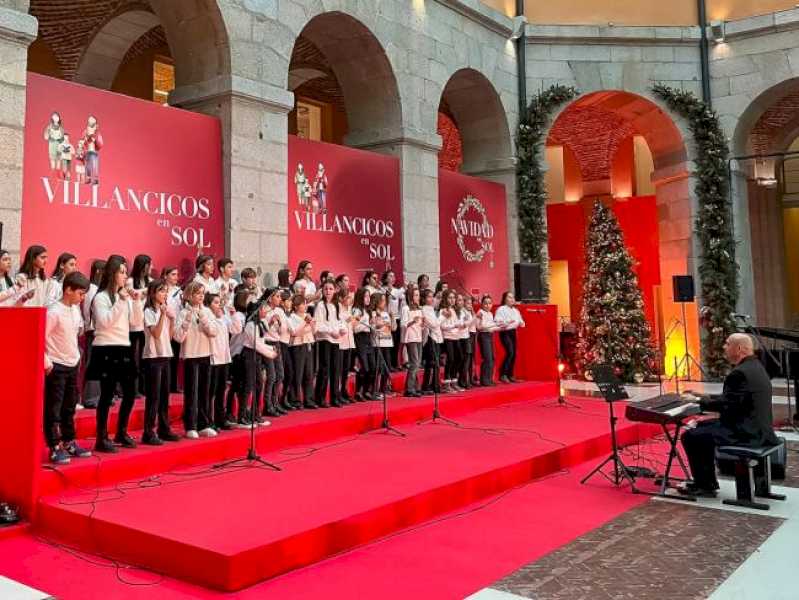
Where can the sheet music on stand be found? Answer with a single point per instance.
(611, 386)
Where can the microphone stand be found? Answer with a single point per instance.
(383, 368)
(561, 401)
(252, 458)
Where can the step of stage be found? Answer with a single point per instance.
(298, 427)
(230, 529)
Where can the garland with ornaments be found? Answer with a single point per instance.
(530, 187)
(718, 271)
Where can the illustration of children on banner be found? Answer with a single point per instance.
(61, 153)
(300, 181)
(93, 143)
(54, 136)
(312, 196)
(320, 186)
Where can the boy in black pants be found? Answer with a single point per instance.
(61, 360)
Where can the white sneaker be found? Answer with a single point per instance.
(208, 432)
(79, 406)
(192, 434)
(264, 423)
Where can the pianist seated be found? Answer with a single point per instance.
(745, 417)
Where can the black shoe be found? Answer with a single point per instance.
(151, 440)
(271, 412)
(368, 396)
(168, 436)
(311, 405)
(514, 380)
(411, 395)
(105, 445)
(692, 489)
(504, 379)
(90, 404)
(125, 441)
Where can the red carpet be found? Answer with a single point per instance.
(448, 559)
(234, 529)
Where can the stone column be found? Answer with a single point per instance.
(17, 31)
(743, 238)
(677, 257)
(419, 191)
(254, 158)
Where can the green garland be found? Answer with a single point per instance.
(530, 188)
(718, 271)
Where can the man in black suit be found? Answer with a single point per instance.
(745, 417)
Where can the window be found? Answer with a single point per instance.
(163, 79)
(309, 120)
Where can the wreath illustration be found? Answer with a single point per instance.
(467, 204)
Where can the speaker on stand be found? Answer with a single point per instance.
(527, 284)
(684, 292)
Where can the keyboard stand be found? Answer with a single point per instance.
(664, 479)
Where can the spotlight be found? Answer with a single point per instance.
(717, 31)
(519, 23)
(561, 367)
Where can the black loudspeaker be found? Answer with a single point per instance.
(527, 281)
(683, 288)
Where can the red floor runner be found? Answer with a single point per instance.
(233, 529)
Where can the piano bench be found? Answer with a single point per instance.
(752, 474)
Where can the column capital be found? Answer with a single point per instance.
(495, 166)
(19, 27)
(269, 96)
(377, 141)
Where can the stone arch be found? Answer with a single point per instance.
(768, 117)
(593, 126)
(475, 106)
(359, 64)
(103, 56)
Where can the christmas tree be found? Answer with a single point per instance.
(613, 328)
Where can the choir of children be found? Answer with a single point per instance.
(245, 354)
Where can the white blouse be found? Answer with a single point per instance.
(485, 322)
(194, 329)
(156, 347)
(346, 341)
(432, 324)
(328, 322)
(63, 326)
(411, 330)
(112, 321)
(381, 337)
(226, 326)
(300, 331)
(509, 316)
(451, 324)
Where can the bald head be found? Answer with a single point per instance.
(738, 346)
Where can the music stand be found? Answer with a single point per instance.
(612, 391)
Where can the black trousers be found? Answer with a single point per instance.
(382, 370)
(197, 393)
(453, 365)
(137, 347)
(464, 373)
(219, 377)
(486, 341)
(302, 357)
(91, 387)
(473, 342)
(431, 380)
(396, 356)
(287, 392)
(273, 375)
(365, 353)
(700, 448)
(328, 372)
(156, 401)
(60, 399)
(252, 384)
(113, 365)
(508, 341)
(236, 389)
(174, 364)
(346, 367)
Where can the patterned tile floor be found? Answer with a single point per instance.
(792, 466)
(658, 550)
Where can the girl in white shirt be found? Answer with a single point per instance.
(509, 317)
(194, 328)
(412, 321)
(304, 284)
(112, 364)
(362, 334)
(466, 341)
(301, 341)
(382, 341)
(227, 324)
(451, 326)
(485, 338)
(67, 263)
(11, 292)
(156, 354)
(431, 381)
(329, 328)
(274, 368)
(237, 390)
(346, 343)
(287, 397)
(205, 273)
(254, 349)
(174, 302)
(225, 284)
(139, 280)
(31, 278)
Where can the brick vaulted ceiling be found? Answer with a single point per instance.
(67, 27)
(324, 87)
(593, 134)
(782, 118)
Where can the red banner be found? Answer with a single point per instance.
(105, 173)
(473, 234)
(344, 209)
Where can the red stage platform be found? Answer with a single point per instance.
(231, 529)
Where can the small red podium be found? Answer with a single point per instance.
(537, 343)
(22, 442)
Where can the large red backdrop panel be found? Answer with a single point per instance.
(473, 233)
(348, 218)
(638, 220)
(160, 178)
